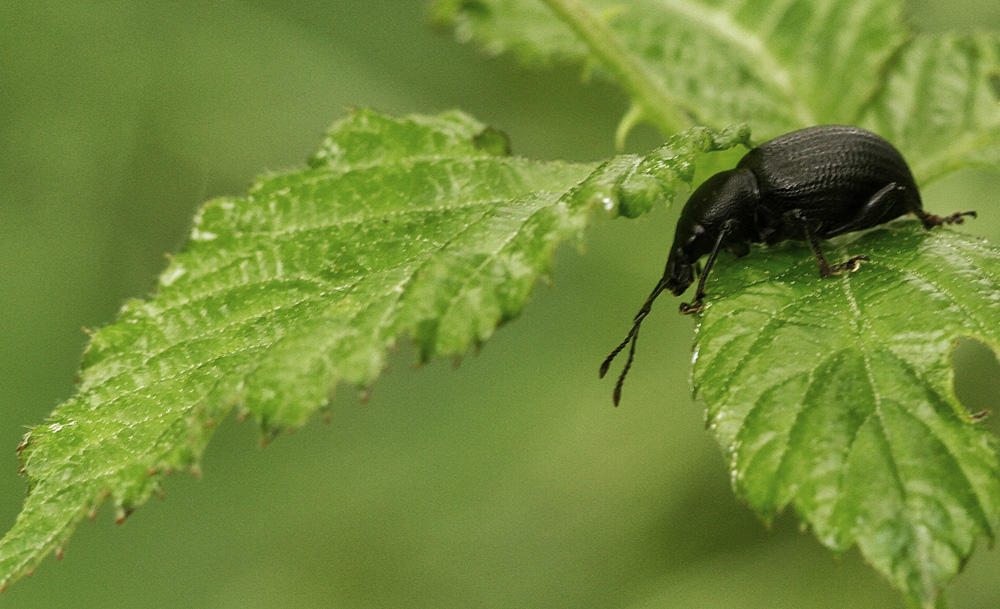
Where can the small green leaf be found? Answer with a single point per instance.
(421, 226)
(776, 65)
(835, 396)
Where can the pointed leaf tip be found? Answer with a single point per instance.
(420, 225)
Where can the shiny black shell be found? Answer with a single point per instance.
(836, 178)
(828, 172)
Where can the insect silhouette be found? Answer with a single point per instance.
(807, 185)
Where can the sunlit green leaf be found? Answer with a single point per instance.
(834, 396)
(422, 226)
(941, 105)
(776, 65)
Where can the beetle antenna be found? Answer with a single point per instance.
(616, 395)
(632, 336)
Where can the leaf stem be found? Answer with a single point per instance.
(941, 602)
(657, 106)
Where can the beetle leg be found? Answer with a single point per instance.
(875, 210)
(687, 308)
(882, 201)
(825, 268)
(932, 220)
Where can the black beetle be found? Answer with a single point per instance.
(806, 185)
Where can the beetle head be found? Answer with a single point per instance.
(719, 212)
(727, 197)
(679, 273)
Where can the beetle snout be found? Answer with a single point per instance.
(680, 275)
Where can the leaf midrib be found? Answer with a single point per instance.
(862, 331)
(420, 259)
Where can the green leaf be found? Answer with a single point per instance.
(834, 396)
(842, 406)
(776, 65)
(422, 226)
(941, 104)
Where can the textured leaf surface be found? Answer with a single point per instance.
(828, 395)
(941, 103)
(835, 396)
(776, 65)
(421, 226)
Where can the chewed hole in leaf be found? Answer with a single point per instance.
(834, 396)
(977, 379)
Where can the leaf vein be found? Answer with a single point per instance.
(741, 37)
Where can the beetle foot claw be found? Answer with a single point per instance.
(852, 264)
(932, 220)
(957, 217)
(690, 308)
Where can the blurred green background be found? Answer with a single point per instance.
(509, 481)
